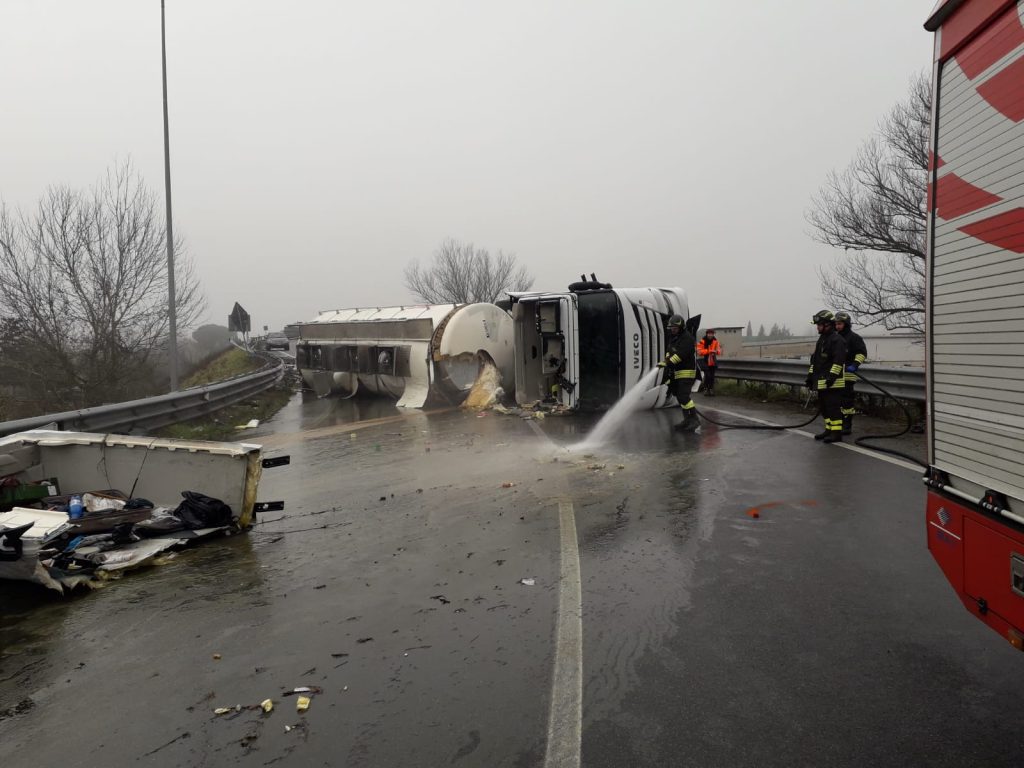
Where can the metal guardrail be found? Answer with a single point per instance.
(155, 412)
(904, 383)
(159, 411)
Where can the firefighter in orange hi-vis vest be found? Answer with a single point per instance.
(708, 349)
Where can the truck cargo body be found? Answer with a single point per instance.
(583, 349)
(975, 308)
(407, 353)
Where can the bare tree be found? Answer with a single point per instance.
(83, 279)
(876, 208)
(461, 273)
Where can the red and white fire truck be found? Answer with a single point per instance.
(975, 308)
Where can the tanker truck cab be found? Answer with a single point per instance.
(547, 362)
(583, 348)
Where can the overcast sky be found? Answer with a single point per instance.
(319, 146)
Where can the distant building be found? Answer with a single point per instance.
(897, 349)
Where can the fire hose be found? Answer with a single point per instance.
(861, 441)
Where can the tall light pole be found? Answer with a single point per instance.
(172, 332)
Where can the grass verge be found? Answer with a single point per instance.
(223, 424)
(229, 363)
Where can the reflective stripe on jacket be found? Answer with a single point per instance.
(828, 360)
(680, 359)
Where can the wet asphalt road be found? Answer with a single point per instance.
(818, 633)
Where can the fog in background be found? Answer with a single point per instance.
(319, 146)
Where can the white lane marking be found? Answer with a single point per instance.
(847, 446)
(565, 719)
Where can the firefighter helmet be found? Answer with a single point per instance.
(844, 317)
(824, 316)
(676, 321)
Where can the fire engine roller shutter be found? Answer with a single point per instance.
(977, 267)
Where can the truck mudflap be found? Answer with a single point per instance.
(983, 560)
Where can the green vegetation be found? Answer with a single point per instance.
(770, 393)
(226, 365)
(223, 424)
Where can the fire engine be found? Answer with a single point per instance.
(975, 308)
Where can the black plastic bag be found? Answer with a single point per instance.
(201, 511)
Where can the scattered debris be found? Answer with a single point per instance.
(508, 485)
(267, 705)
(20, 708)
(320, 586)
(179, 737)
(364, 640)
(84, 536)
(304, 689)
(440, 598)
(251, 424)
(338, 655)
(528, 582)
(302, 703)
(216, 657)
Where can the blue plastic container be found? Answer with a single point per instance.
(75, 508)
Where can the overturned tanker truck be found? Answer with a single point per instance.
(584, 348)
(409, 353)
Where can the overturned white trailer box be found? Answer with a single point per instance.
(585, 347)
(152, 471)
(408, 353)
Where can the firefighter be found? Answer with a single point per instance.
(825, 375)
(709, 349)
(679, 371)
(856, 355)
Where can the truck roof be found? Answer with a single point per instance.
(942, 11)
